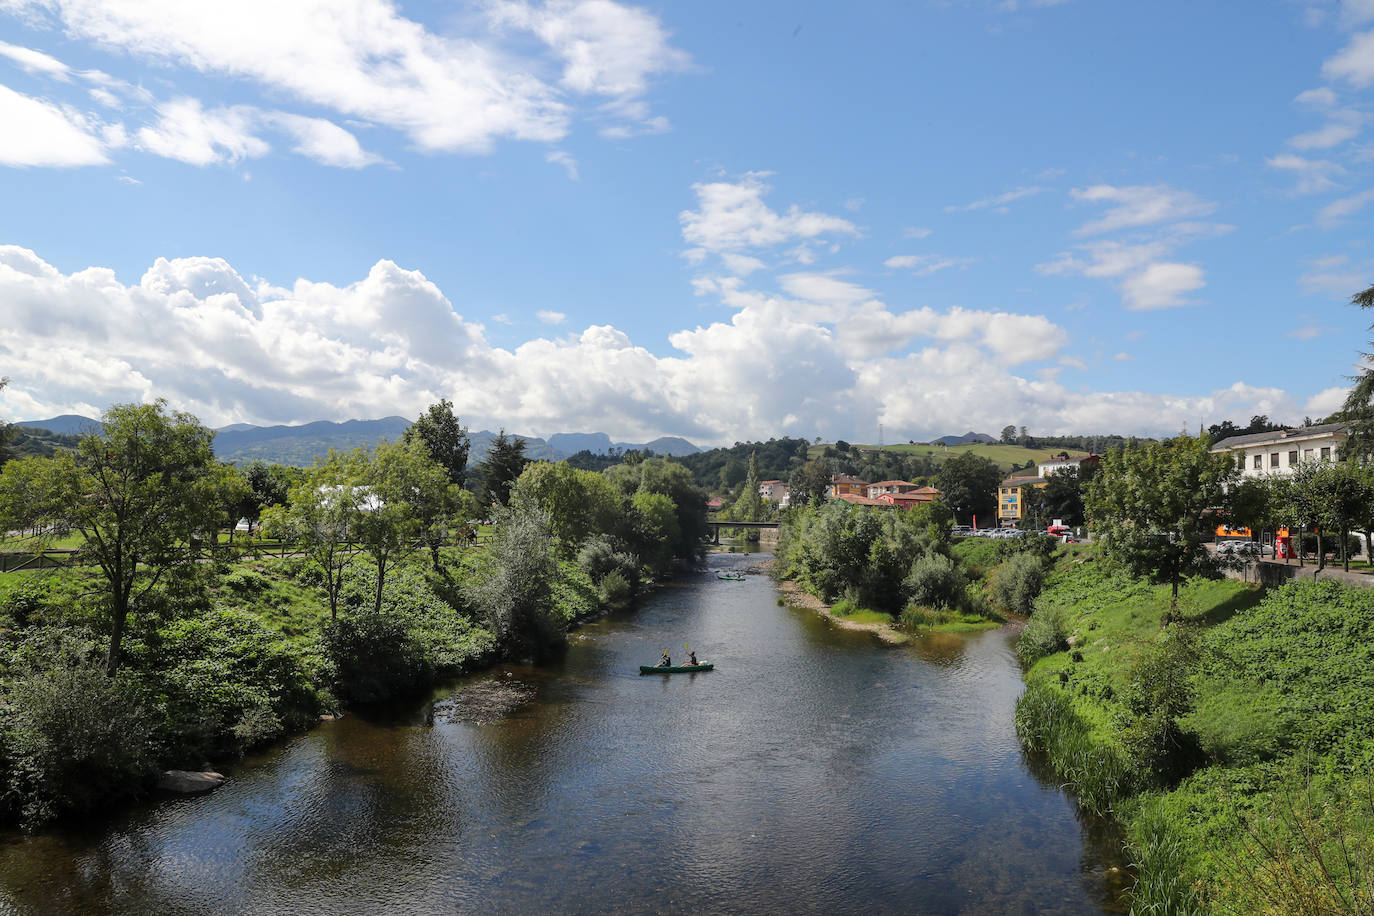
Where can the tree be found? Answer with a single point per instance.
(1152, 508)
(749, 506)
(968, 482)
(1359, 403)
(516, 594)
(1063, 493)
(316, 521)
(1008, 435)
(501, 468)
(579, 504)
(1329, 497)
(809, 483)
(138, 492)
(445, 438)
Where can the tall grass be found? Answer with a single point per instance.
(1096, 773)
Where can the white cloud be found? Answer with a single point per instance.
(1335, 213)
(1139, 205)
(1161, 285)
(186, 132)
(550, 317)
(1123, 357)
(35, 62)
(916, 232)
(1325, 402)
(1333, 134)
(732, 216)
(1354, 63)
(363, 59)
(323, 140)
(924, 265)
(41, 133)
(997, 202)
(569, 164)
(228, 349)
(1314, 175)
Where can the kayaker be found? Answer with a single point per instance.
(665, 661)
(692, 658)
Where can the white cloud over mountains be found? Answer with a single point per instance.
(828, 359)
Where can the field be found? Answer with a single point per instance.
(1006, 456)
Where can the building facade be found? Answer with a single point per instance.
(1281, 452)
(1010, 498)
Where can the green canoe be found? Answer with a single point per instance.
(675, 669)
(730, 576)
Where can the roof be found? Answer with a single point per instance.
(764, 483)
(931, 490)
(893, 483)
(1282, 435)
(1072, 459)
(1021, 481)
(854, 500)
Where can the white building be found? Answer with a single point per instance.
(1262, 454)
(775, 491)
(1055, 465)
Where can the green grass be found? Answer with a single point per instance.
(1004, 455)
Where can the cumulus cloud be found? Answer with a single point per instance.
(231, 349)
(731, 216)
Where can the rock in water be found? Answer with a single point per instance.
(190, 782)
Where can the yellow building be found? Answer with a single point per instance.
(1010, 497)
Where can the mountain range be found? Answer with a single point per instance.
(299, 445)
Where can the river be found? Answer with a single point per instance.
(814, 770)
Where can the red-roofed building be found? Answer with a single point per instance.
(889, 486)
(855, 500)
(843, 484)
(775, 491)
(910, 498)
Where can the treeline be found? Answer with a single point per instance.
(162, 648)
(724, 469)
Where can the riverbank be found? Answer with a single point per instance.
(795, 596)
(1236, 746)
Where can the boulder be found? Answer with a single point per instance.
(190, 782)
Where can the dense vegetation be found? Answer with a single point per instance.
(163, 647)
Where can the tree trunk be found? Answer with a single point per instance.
(1173, 602)
(1301, 532)
(381, 577)
(1345, 549)
(1321, 552)
(120, 612)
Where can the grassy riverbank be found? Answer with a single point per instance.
(1235, 745)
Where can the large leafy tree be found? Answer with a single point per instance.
(579, 504)
(445, 438)
(138, 492)
(316, 520)
(809, 483)
(1359, 403)
(503, 465)
(1153, 508)
(968, 482)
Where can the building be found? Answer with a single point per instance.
(855, 499)
(1261, 454)
(889, 486)
(775, 491)
(1010, 497)
(910, 498)
(1055, 465)
(844, 485)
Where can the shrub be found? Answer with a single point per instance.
(1159, 695)
(78, 740)
(615, 591)
(936, 581)
(1045, 634)
(375, 657)
(1017, 583)
(601, 556)
(1242, 723)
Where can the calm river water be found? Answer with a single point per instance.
(813, 771)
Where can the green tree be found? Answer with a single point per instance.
(968, 482)
(1153, 508)
(407, 500)
(749, 506)
(1008, 435)
(137, 492)
(316, 522)
(809, 483)
(516, 594)
(1063, 494)
(579, 504)
(445, 438)
(501, 468)
(1358, 410)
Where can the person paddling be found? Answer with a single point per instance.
(665, 661)
(692, 659)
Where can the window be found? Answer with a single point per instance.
(1259, 462)
(1326, 454)
(1307, 454)
(1273, 459)
(1293, 458)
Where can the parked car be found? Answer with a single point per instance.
(1244, 549)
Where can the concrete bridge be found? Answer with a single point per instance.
(714, 526)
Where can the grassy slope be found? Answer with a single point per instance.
(1004, 455)
(1286, 685)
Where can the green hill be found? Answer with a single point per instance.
(1006, 456)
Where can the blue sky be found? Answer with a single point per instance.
(721, 221)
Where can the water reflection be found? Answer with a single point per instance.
(814, 770)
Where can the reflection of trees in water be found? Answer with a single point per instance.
(1105, 868)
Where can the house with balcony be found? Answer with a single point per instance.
(844, 485)
(1281, 452)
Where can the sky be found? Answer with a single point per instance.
(723, 221)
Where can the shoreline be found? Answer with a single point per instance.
(795, 597)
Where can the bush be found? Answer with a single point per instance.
(615, 591)
(1159, 695)
(1045, 634)
(375, 658)
(936, 581)
(1017, 583)
(78, 740)
(1242, 723)
(601, 556)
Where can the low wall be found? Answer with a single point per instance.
(1271, 573)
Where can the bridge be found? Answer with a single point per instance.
(714, 525)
